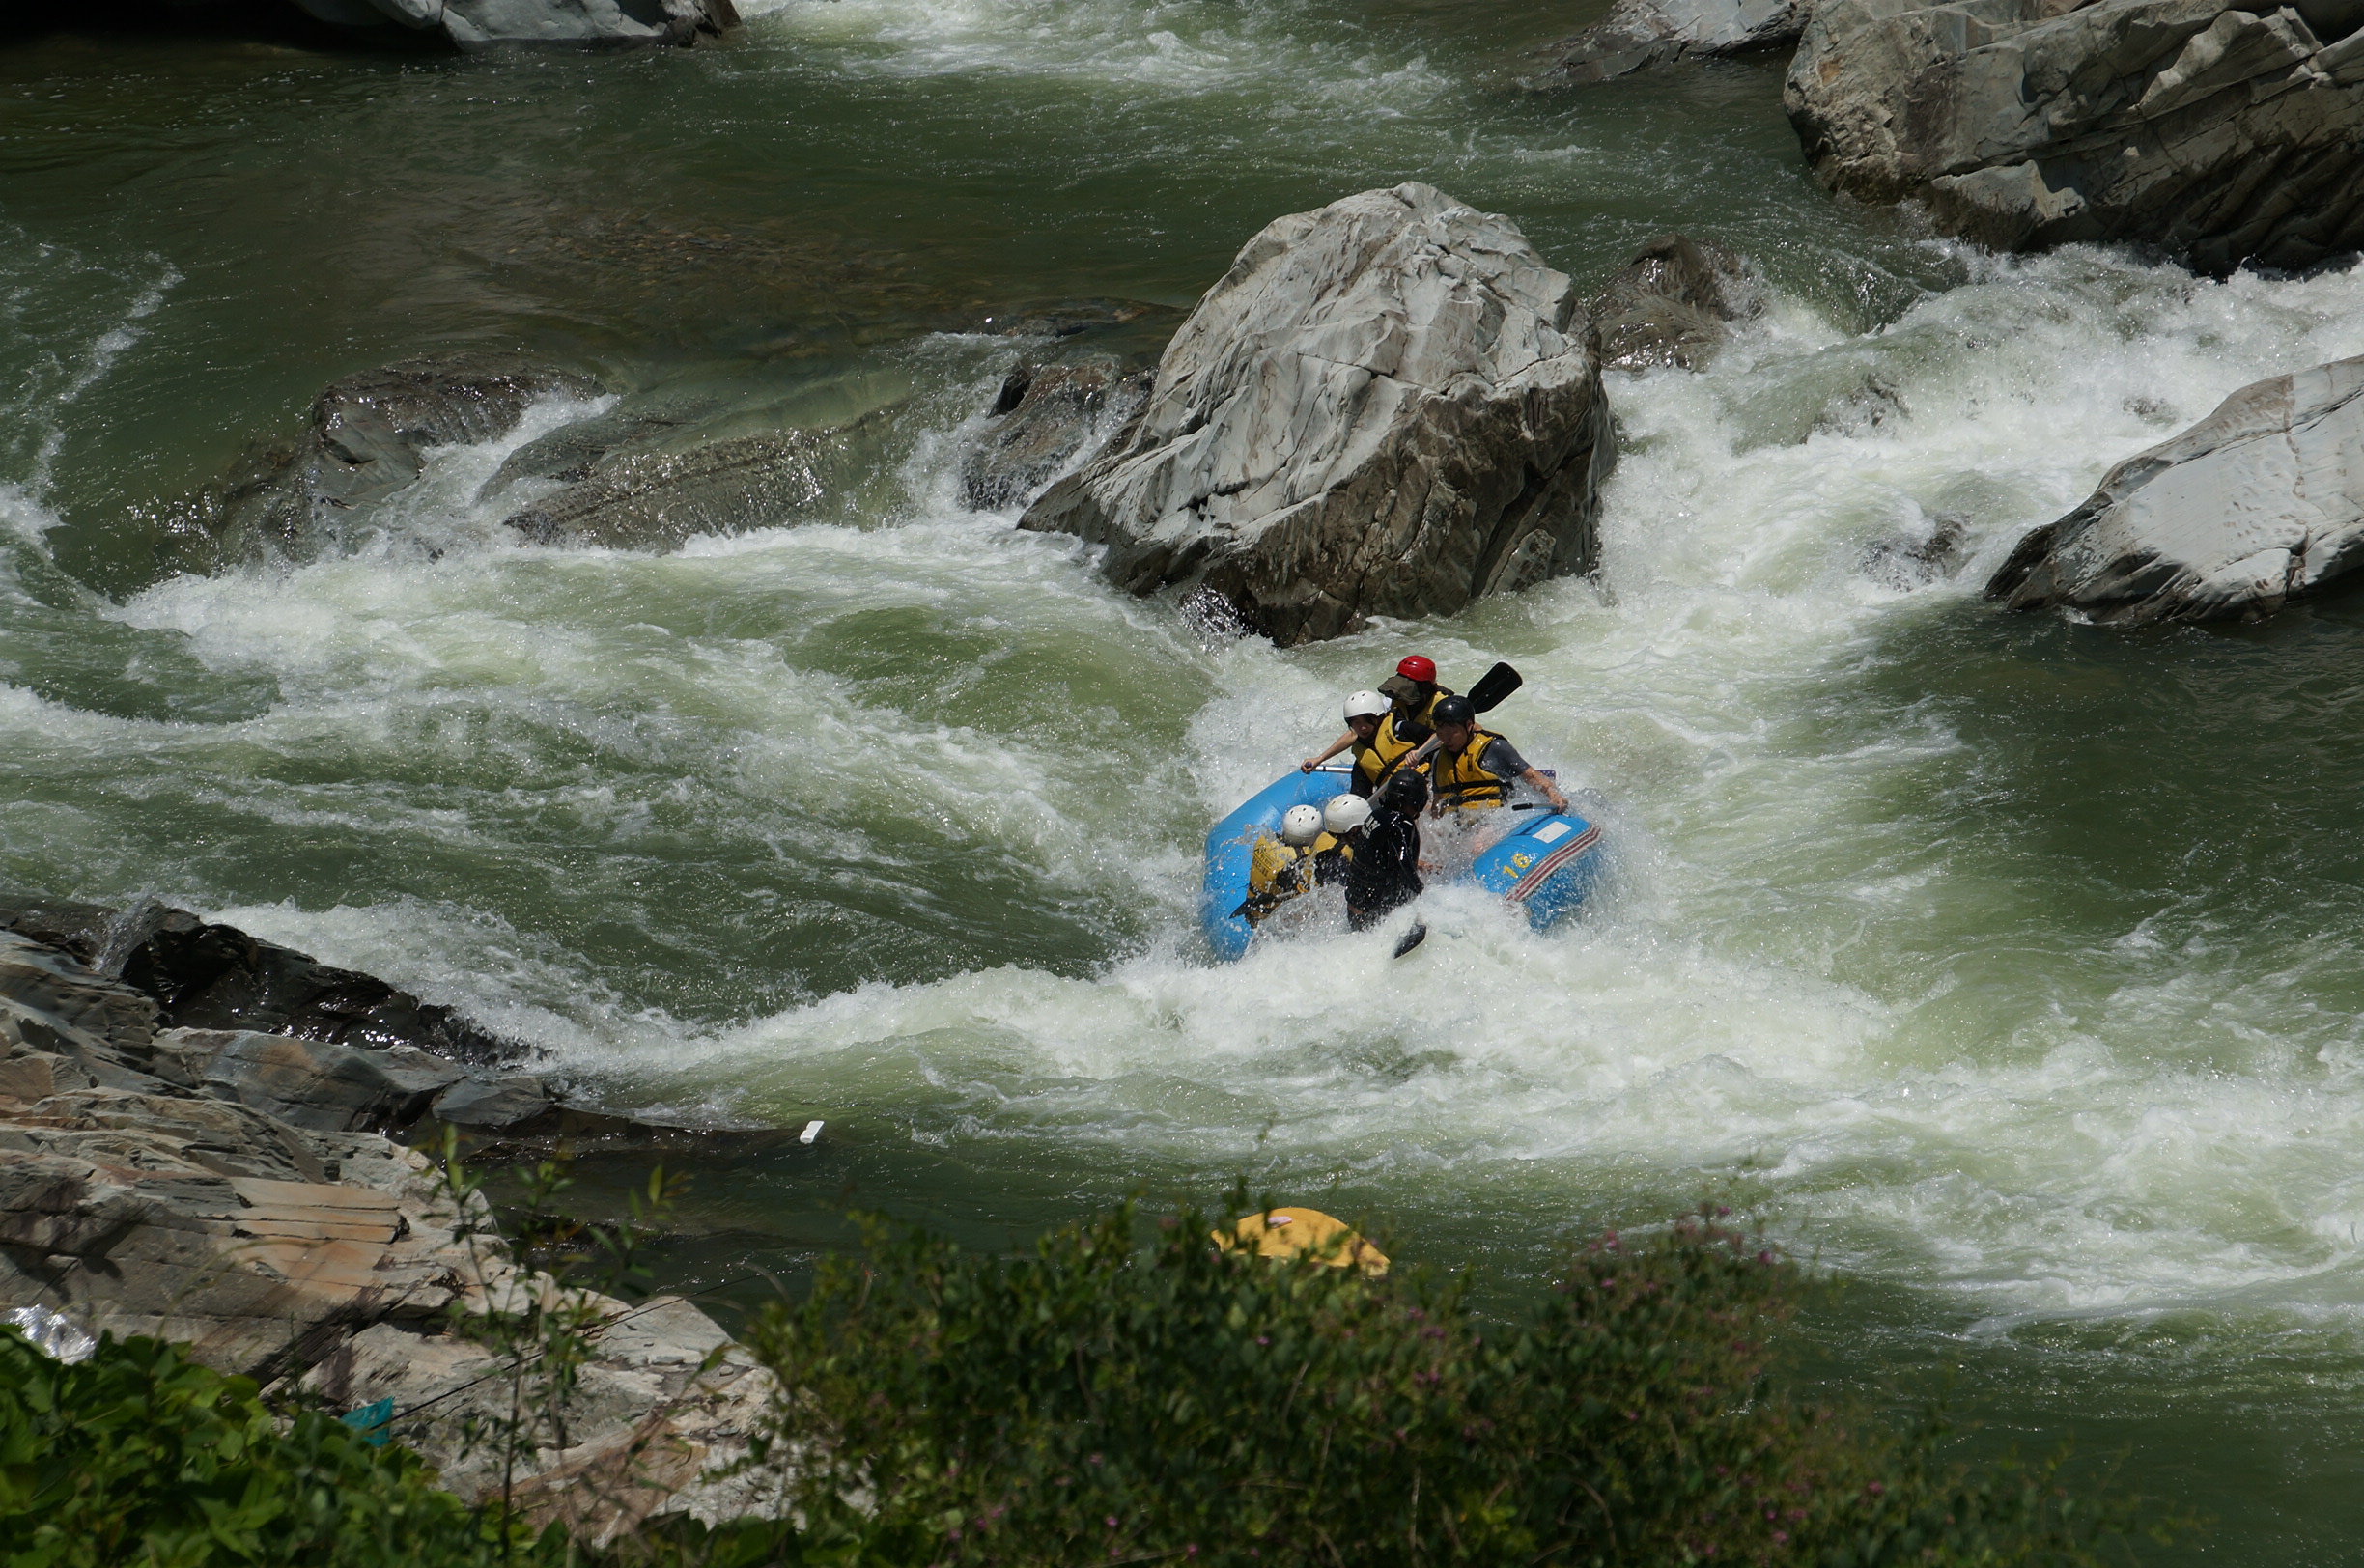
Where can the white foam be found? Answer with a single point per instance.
(2174, 1128)
(1187, 48)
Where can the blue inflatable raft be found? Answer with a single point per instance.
(1546, 866)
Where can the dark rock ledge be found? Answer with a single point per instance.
(193, 1145)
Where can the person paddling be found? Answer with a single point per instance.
(1365, 713)
(1402, 703)
(1472, 770)
(1414, 691)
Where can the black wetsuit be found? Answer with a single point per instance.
(1385, 871)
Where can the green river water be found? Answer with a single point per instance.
(2010, 968)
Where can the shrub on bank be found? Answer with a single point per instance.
(1093, 1402)
(140, 1456)
(1096, 1400)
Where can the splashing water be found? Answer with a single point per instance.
(2007, 965)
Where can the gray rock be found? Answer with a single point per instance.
(2261, 502)
(1388, 407)
(570, 453)
(640, 497)
(282, 1247)
(366, 440)
(200, 976)
(1644, 33)
(603, 25)
(1044, 416)
(658, 1417)
(318, 1086)
(1673, 303)
(2224, 137)
(1917, 560)
(62, 1000)
(495, 1105)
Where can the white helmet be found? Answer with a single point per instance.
(1366, 705)
(1301, 824)
(1345, 813)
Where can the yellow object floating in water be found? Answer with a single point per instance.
(1304, 1233)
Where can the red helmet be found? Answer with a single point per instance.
(1416, 667)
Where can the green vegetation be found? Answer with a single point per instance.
(140, 1456)
(1118, 1394)
(1095, 1402)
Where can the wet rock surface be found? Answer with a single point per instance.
(218, 1188)
(636, 496)
(1640, 34)
(226, 1014)
(1388, 407)
(2222, 135)
(366, 440)
(1920, 558)
(1043, 417)
(594, 25)
(2260, 503)
(1673, 303)
(203, 975)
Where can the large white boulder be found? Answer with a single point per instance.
(2258, 503)
(2220, 134)
(1385, 407)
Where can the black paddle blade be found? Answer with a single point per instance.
(1494, 686)
(1411, 939)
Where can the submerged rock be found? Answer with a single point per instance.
(1917, 560)
(366, 437)
(570, 453)
(1044, 415)
(477, 24)
(2223, 135)
(1385, 407)
(1673, 303)
(636, 498)
(2261, 502)
(1644, 33)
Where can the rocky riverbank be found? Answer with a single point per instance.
(234, 1186)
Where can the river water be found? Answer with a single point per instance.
(2007, 966)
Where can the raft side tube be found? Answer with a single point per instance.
(1230, 851)
(1547, 867)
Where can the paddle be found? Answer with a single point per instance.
(1487, 694)
(1493, 686)
(1411, 939)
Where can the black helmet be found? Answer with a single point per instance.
(1406, 793)
(1453, 710)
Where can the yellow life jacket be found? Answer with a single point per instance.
(1278, 872)
(1381, 755)
(1459, 781)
